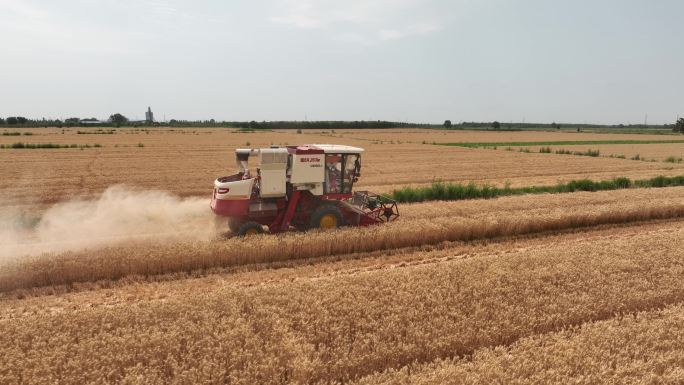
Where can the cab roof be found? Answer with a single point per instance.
(338, 148)
(307, 148)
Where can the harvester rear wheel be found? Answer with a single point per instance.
(234, 224)
(326, 217)
(250, 228)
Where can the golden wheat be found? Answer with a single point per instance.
(641, 348)
(340, 328)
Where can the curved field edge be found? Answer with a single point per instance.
(346, 327)
(643, 347)
(442, 222)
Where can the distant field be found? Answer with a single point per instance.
(447, 136)
(185, 161)
(645, 152)
(557, 143)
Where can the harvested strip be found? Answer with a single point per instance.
(346, 327)
(441, 222)
(642, 348)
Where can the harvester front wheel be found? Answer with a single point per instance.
(326, 217)
(250, 228)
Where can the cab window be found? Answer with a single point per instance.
(340, 173)
(333, 173)
(349, 175)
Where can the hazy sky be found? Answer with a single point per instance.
(605, 61)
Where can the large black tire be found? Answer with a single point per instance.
(250, 228)
(326, 217)
(234, 224)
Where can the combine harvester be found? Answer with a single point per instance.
(298, 187)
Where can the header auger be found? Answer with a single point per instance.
(298, 187)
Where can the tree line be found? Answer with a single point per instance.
(275, 125)
(119, 120)
(520, 126)
(679, 126)
(14, 120)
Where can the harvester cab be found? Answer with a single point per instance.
(298, 187)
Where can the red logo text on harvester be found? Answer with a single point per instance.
(310, 160)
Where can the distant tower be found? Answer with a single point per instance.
(149, 116)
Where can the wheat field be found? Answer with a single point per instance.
(113, 270)
(340, 327)
(617, 350)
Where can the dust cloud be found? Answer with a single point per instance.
(119, 215)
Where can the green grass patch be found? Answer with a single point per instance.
(33, 146)
(443, 191)
(244, 130)
(14, 133)
(96, 132)
(556, 143)
(588, 152)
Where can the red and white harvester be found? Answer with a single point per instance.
(298, 187)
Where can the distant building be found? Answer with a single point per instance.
(149, 116)
(90, 121)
